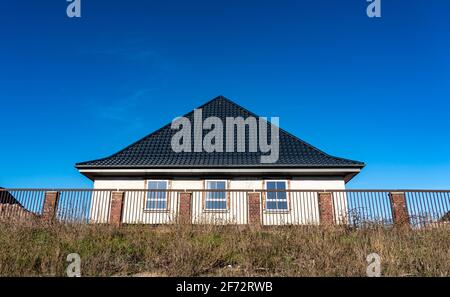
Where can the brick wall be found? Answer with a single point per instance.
(399, 208)
(254, 209)
(50, 206)
(115, 217)
(185, 208)
(326, 209)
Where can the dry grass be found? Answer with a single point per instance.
(221, 251)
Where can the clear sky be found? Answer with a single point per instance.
(374, 90)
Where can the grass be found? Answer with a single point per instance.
(221, 251)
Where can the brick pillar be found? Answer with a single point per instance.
(185, 208)
(50, 205)
(254, 209)
(399, 208)
(115, 216)
(326, 209)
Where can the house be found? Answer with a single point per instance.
(7, 198)
(156, 162)
(11, 209)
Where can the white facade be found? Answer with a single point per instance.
(302, 206)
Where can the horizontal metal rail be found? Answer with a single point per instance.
(227, 190)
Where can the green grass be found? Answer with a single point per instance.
(221, 251)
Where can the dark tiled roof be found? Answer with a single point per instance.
(155, 150)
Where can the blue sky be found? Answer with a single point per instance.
(374, 90)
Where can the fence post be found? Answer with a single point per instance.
(399, 209)
(254, 209)
(50, 206)
(185, 208)
(326, 209)
(115, 217)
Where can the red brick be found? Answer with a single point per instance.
(50, 205)
(399, 209)
(185, 208)
(254, 209)
(326, 209)
(115, 216)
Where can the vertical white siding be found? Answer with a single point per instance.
(134, 211)
(101, 204)
(236, 212)
(303, 209)
(100, 207)
(339, 200)
(303, 206)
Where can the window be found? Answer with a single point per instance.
(276, 200)
(216, 200)
(156, 199)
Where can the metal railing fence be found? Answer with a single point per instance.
(356, 208)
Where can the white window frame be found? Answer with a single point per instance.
(286, 182)
(147, 199)
(215, 199)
